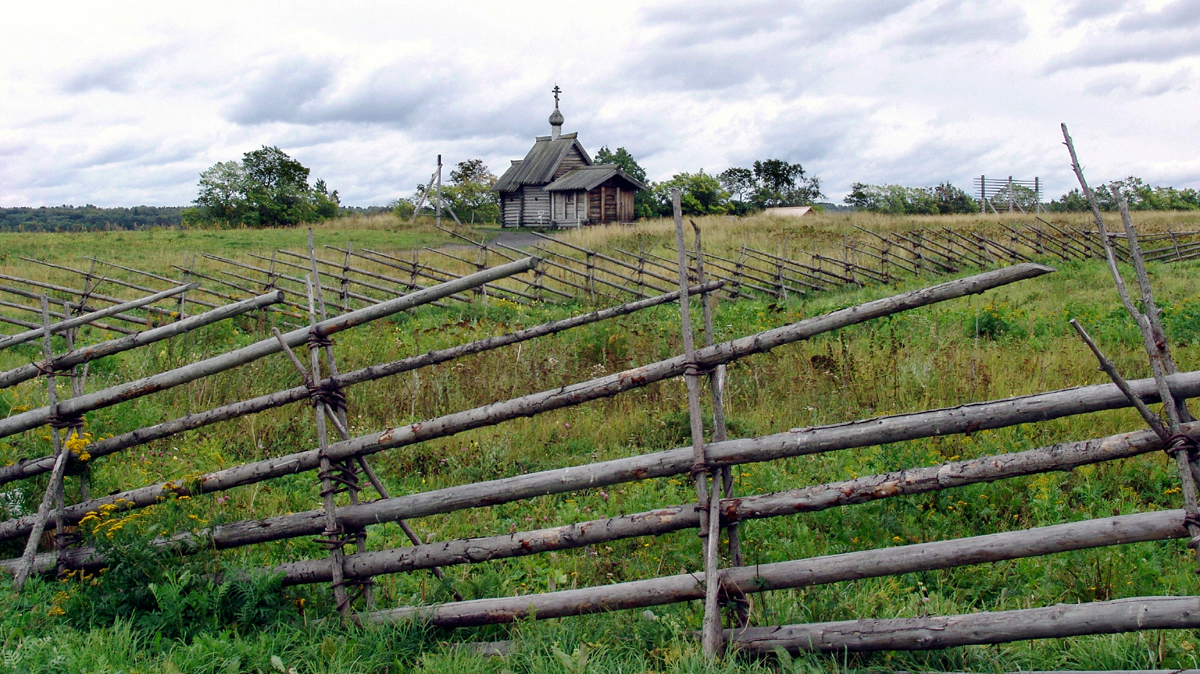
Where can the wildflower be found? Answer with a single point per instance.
(897, 539)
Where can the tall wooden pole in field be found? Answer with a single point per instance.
(709, 530)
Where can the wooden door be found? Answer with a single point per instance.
(610, 205)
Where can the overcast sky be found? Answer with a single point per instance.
(120, 104)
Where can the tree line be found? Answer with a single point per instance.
(88, 218)
(945, 199)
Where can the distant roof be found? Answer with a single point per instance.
(590, 176)
(539, 165)
(788, 211)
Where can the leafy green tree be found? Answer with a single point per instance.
(469, 193)
(953, 200)
(1071, 202)
(781, 183)
(891, 199)
(327, 204)
(941, 199)
(277, 191)
(700, 194)
(1139, 195)
(266, 189)
(644, 205)
(739, 182)
(222, 195)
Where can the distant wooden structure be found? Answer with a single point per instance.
(558, 185)
(788, 211)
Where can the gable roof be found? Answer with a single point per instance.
(537, 168)
(589, 177)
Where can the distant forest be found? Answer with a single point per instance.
(88, 218)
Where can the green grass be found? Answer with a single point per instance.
(1009, 341)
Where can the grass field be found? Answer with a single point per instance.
(1009, 341)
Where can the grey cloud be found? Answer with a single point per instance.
(691, 24)
(115, 74)
(1086, 10)
(410, 96)
(930, 162)
(1128, 49)
(959, 22)
(1132, 85)
(283, 92)
(714, 47)
(1179, 14)
(811, 138)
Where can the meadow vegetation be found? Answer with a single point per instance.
(165, 613)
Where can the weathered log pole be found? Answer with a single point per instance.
(555, 398)
(1121, 530)
(266, 347)
(606, 258)
(242, 289)
(968, 418)
(86, 293)
(88, 353)
(56, 314)
(1060, 457)
(128, 318)
(710, 532)
(1133, 614)
(167, 279)
(518, 296)
(54, 489)
(261, 403)
(16, 321)
(391, 292)
(21, 338)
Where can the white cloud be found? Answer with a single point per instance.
(120, 104)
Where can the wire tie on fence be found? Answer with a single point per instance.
(48, 368)
(316, 341)
(327, 393)
(64, 422)
(694, 369)
(1180, 441)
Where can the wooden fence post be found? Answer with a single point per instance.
(710, 521)
(716, 381)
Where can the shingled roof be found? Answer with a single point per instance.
(589, 177)
(539, 165)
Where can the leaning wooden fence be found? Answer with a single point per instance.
(647, 280)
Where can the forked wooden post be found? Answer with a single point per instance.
(716, 381)
(56, 475)
(333, 529)
(710, 520)
(1181, 447)
(334, 406)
